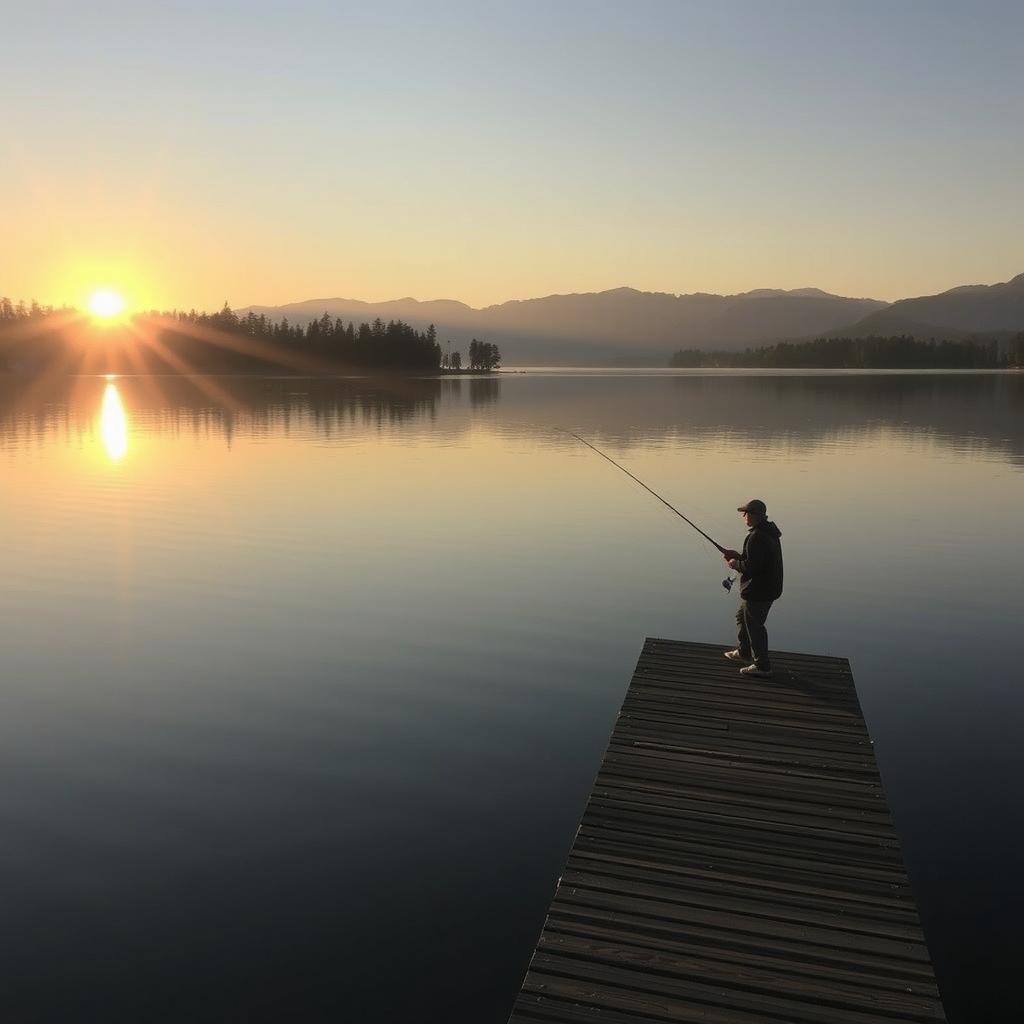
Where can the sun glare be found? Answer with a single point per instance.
(106, 304)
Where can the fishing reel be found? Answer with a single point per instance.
(727, 583)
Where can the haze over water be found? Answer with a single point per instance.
(306, 681)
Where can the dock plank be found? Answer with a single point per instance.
(736, 860)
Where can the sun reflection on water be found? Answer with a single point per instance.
(113, 423)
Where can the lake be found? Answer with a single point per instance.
(305, 681)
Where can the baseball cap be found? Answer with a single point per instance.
(754, 505)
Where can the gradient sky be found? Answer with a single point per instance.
(189, 153)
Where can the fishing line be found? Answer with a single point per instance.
(726, 583)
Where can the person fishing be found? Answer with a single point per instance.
(760, 569)
(759, 566)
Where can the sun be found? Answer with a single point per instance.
(106, 304)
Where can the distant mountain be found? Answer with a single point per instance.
(963, 312)
(616, 326)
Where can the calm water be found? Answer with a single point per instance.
(304, 683)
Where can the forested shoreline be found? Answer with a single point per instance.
(897, 352)
(34, 336)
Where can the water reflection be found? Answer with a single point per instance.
(113, 423)
(415, 604)
(981, 413)
(484, 391)
(42, 408)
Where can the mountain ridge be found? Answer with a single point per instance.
(625, 324)
(962, 312)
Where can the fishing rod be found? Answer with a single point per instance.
(727, 583)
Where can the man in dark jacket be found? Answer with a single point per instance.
(760, 569)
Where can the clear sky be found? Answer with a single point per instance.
(259, 152)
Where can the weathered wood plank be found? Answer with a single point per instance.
(810, 973)
(736, 860)
(748, 982)
(754, 890)
(820, 894)
(709, 851)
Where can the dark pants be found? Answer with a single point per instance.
(752, 637)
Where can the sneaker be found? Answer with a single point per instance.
(736, 655)
(758, 673)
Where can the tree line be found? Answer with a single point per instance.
(226, 341)
(898, 352)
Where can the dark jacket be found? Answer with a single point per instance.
(760, 564)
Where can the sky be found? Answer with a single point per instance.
(189, 154)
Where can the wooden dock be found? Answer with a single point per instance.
(736, 862)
